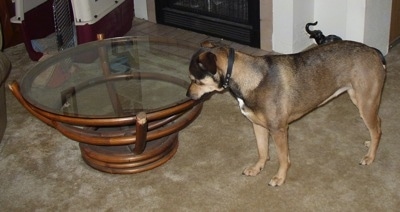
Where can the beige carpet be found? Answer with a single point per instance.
(41, 170)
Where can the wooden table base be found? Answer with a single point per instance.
(122, 160)
(122, 145)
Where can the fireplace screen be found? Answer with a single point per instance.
(236, 20)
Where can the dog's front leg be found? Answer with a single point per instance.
(280, 137)
(263, 152)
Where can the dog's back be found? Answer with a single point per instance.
(324, 72)
(338, 58)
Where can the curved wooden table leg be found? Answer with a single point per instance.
(141, 133)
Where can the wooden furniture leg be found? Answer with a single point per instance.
(141, 133)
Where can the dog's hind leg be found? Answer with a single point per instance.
(262, 136)
(367, 103)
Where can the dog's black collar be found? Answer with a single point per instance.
(231, 60)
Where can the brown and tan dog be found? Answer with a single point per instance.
(274, 90)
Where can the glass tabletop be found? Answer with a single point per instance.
(111, 78)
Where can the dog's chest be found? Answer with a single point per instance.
(243, 108)
(250, 114)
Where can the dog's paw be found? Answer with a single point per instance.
(367, 160)
(276, 181)
(252, 170)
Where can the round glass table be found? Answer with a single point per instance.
(123, 99)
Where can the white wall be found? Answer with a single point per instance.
(331, 22)
(289, 19)
(345, 18)
(282, 21)
(366, 21)
(355, 20)
(303, 13)
(140, 9)
(377, 24)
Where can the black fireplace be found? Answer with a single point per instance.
(236, 20)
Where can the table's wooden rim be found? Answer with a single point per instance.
(49, 117)
(71, 127)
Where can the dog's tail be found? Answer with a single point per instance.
(381, 56)
(308, 26)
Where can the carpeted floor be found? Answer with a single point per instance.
(41, 170)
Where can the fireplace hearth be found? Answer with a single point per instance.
(236, 20)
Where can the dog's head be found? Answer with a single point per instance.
(205, 73)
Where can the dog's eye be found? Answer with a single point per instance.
(197, 82)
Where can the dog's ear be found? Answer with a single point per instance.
(208, 44)
(208, 62)
(203, 64)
